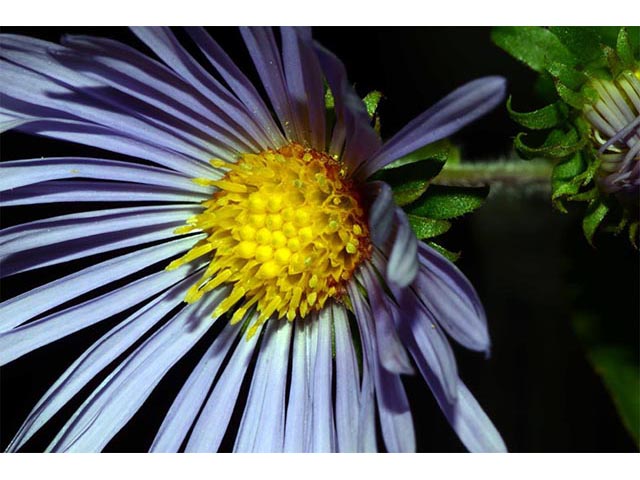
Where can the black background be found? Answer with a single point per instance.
(529, 263)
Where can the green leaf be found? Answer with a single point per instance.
(371, 102)
(612, 351)
(428, 227)
(546, 117)
(452, 256)
(582, 42)
(535, 46)
(619, 370)
(596, 211)
(443, 203)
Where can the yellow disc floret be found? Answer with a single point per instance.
(285, 230)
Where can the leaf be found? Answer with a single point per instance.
(443, 203)
(619, 370)
(612, 351)
(428, 227)
(596, 211)
(535, 46)
(583, 42)
(452, 256)
(545, 117)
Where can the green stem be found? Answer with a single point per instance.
(511, 173)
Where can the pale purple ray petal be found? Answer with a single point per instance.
(395, 413)
(18, 173)
(239, 84)
(107, 139)
(165, 45)
(402, 267)
(87, 191)
(97, 357)
(262, 47)
(417, 323)
(49, 231)
(262, 425)
(298, 425)
(18, 310)
(323, 428)
(381, 213)
(347, 384)
(361, 140)
(366, 421)
(122, 393)
(459, 108)
(304, 83)
(422, 335)
(88, 104)
(11, 123)
(391, 352)
(83, 247)
(26, 338)
(185, 408)
(447, 293)
(212, 422)
(468, 420)
(135, 74)
(393, 406)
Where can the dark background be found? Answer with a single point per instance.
(530, 264)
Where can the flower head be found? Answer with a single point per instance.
(264, 228)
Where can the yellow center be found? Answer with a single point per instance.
(286, 229)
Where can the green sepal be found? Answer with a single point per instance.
(428, 227)
(441, 150)
(371, 102)
(596, 212)
(568, 76)
(452, 256)
(558, 144)
(443, 203)
(571, 97)
(562, 179)
(625, 50)
(329, 101)
(535, 46)
(541, 119)
(410, 181)
(583, 42)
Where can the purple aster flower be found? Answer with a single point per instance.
(262, 226)
(615, 118)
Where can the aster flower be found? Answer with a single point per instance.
(615, 119)
(263, 228)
